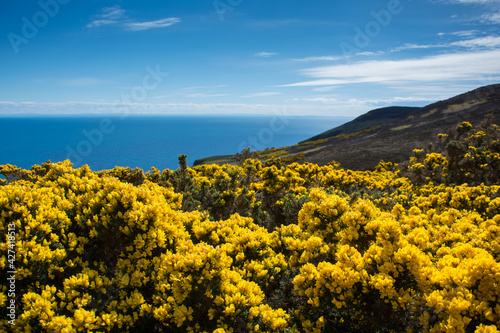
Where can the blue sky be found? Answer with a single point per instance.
(338, 58)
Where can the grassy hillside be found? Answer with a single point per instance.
(388, 134)
(370, 120)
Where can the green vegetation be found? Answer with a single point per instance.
(400, 128)
(431, 112)
(373, 119)
(392, 133)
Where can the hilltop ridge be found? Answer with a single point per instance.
(370, 119)
(388, 134)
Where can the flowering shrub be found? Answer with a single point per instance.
(464, 155)
(253, 248)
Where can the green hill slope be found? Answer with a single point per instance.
(388, 134)
(370, 119)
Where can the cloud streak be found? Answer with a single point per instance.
(265, 54)
(116, 16)
(108, 16)
(447, 67)
(492, 18)
(487, 42)
(321, 58)
(474, 1)
(162, 23)
(367, 102)
(482, 42)
(100, 108)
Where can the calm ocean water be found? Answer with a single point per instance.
(103, 142)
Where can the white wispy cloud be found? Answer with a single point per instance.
(366, 102)
(367, 53)
(467, 2)
(465, 33)
(493, 18)
(265, 54)
(322, 58)
(411, 46)
(107, 16)
(100, 108)
(487, 42)
(492, 5)
(116, 16)
(445, 67)
(162, 23)
(336, 58)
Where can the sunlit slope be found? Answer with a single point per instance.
(370, 120)
(388, 134)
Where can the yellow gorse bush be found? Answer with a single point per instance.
(253, 248)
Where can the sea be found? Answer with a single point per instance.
(103, 142)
